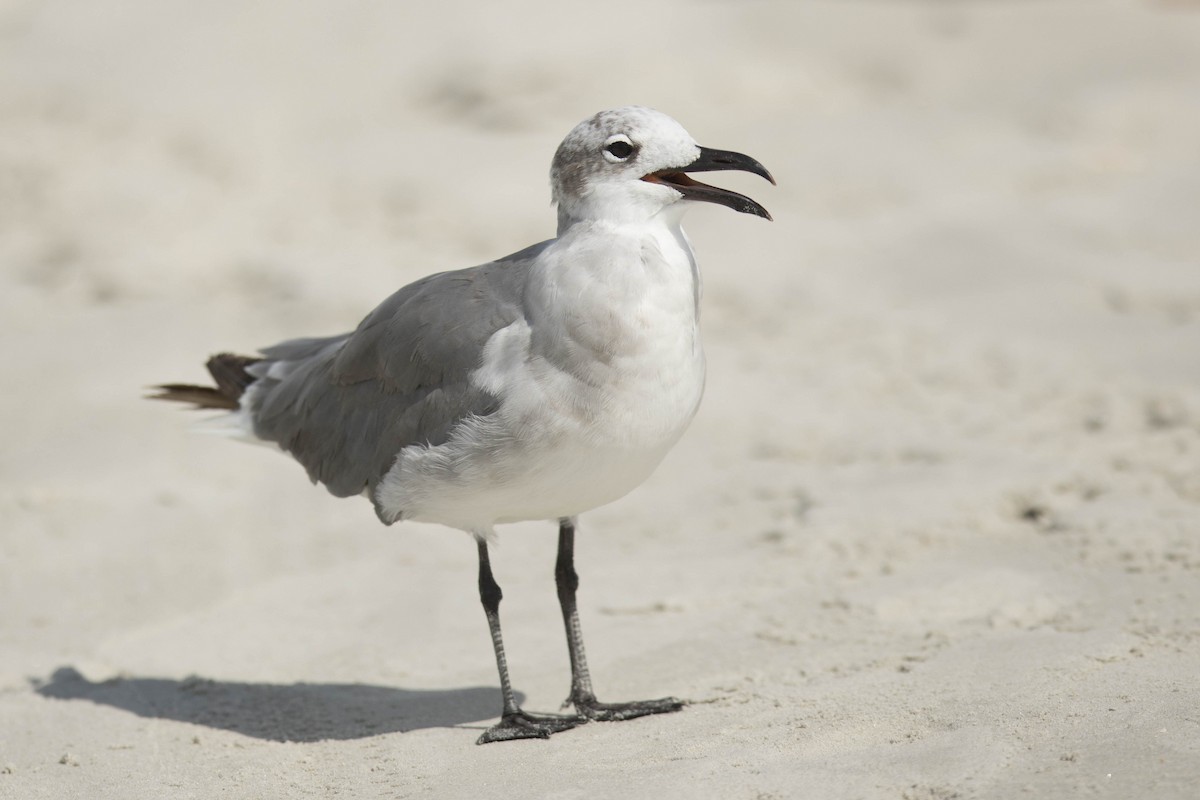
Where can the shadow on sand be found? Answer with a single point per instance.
(298, 712)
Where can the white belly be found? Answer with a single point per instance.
(536, 482)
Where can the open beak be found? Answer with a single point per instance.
(711, 160)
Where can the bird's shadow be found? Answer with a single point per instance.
(297, 712)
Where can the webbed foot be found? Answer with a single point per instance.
(593, 709)
(523, 725)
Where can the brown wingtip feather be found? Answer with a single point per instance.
(229, 373)
(201, 397)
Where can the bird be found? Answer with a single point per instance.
(538, 386)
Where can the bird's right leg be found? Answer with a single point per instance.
(582, 696)
(514, 723)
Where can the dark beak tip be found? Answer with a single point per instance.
(712, 160)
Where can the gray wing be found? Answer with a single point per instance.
(344, 406)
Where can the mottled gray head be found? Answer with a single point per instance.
(628, 165)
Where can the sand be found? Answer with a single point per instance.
(933, 535)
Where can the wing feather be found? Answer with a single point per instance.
(344, 406)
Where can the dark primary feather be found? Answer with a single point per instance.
(229, 373)
(202, 397)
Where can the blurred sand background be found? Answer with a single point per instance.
(935, 533)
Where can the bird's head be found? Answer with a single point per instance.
(630, 164)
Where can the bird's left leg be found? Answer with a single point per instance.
(582, 695)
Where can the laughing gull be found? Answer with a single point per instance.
(537, 386)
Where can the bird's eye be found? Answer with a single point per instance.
(620, 149)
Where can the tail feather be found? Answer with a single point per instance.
(229, 373)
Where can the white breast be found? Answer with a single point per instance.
(596, 384)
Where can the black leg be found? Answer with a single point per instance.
(582, 696)
(514, 723)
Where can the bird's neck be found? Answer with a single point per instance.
(626, 261)
(587, 215)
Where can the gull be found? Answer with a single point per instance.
(534, 387)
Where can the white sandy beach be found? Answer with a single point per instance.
(934, 535)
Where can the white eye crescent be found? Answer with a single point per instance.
(618, 148)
